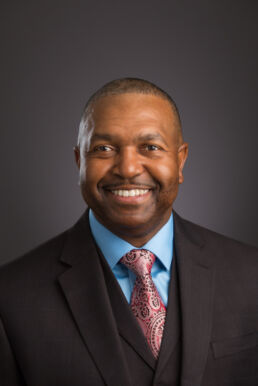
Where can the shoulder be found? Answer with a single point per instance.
(45, 261)
(30, 266)
(218, 245)
(233, 264)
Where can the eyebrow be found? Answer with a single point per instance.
(151, 137)
(105, 137)
(141, 137)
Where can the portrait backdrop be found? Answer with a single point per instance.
(55, 54)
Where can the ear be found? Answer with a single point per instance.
(182, 156)
(77, 156)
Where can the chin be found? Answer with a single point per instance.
(134, 224)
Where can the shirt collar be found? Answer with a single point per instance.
(113, 247)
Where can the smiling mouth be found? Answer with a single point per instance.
(130, 192)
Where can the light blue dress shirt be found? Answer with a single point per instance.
(113, 248)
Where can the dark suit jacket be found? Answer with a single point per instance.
(65, 321)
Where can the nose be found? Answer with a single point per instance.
(128, 163)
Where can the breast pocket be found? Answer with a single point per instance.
(234, 345)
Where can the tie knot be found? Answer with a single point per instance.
(140, 261)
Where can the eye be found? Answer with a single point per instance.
(102, 148)
(150, 147)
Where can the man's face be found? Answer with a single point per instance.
(131, 160)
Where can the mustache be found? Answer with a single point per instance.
(132, 184)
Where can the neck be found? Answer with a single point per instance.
(137, 241)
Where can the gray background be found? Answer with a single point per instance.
(55, 54)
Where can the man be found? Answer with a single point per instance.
(132, 294)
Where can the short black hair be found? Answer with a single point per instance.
(124, 86)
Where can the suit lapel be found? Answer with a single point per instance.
(196, 282)
(84, 287)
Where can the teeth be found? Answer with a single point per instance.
(130, 193)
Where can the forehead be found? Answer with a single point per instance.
(133, 111)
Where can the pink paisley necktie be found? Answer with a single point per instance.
(146, 302)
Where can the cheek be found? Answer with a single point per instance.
(92, 173)
(167, 175)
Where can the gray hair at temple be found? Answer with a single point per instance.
(123, 86)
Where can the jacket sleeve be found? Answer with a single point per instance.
(9, 371)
